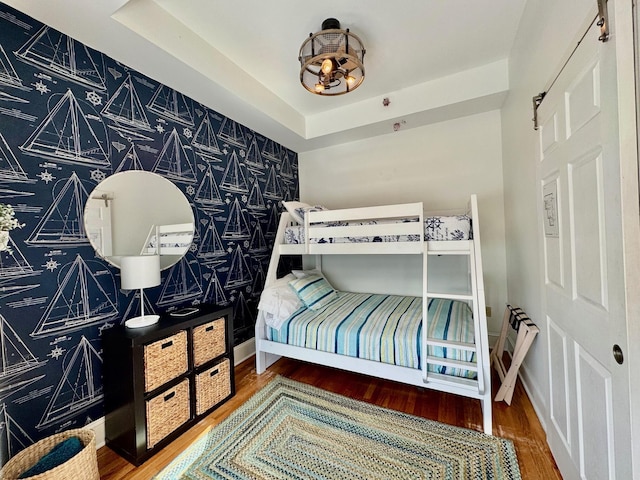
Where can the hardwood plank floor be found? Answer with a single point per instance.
(517, 422)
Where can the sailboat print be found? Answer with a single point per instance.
(253, 160)
(8, 75)
(180, 285)
(236, 227)
(233, 179)
(13, 265)
(125, 108)
(215, 293)
(5, 97)
(8, 390)
(173, 161)
(296, 191)
(242, 318)
(15, 357)
(80, 301)
(13, 438)
(208, 195)
(63, 223)
(133, 309)
(258, 244)
(131, 161)
(79, 388)
(64, 57)
(272, 224)
(211, 248)
(65, 135)
(255, 202)
(272, 189)
(271, 150)
(239, 273)
(204, 140)
(171, 105)
(286, 196)
(285, 168)
(10, 168)
(232, 133)
(258, 282)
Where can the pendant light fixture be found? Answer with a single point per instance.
(332, 60)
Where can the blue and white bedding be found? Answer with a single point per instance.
(383, 328)
(437, 228)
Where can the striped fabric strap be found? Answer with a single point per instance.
(517, 316)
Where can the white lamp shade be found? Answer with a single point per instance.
(138, 272)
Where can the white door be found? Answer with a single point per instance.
(580, 210)
(97, 220)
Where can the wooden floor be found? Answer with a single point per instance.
(517, 422)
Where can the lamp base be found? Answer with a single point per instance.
(143, 321)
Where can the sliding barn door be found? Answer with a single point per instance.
(584, 266)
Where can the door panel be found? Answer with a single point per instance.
(596, 438)
(560, 410)
(586, 206)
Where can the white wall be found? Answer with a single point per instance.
(439, 164)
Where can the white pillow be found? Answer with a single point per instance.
(280, 301)
(305, 273)
(301, 211)
(298, 209)
(291, 208)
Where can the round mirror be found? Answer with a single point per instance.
(139, 213)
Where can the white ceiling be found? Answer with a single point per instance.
(433, 59)
(407, 42)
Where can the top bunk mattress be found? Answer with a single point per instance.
(436, 228)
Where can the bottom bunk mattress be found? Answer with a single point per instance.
(383, 328)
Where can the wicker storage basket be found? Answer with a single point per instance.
(166, 412)
(164, 360)
(212, 386)
(208, 341)
(83, 466)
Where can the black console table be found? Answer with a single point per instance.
(160, 380)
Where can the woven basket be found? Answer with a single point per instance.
(212, 386)
(83, 466)
(166, 412)
(208, 341)
(164, 360)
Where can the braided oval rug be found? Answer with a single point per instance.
(290, 430)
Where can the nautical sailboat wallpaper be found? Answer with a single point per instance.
(70, 117)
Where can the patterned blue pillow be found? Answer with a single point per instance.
(301, 211)
(314, 291)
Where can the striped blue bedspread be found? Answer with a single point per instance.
(383, 328)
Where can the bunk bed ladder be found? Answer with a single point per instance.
(472, 298)
(475, 298)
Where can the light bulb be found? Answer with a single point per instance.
(350, 80)
(327, 66)
(319, 87)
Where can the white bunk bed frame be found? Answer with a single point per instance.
(268, 352)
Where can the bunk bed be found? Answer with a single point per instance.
(173, 239)
(438, 341)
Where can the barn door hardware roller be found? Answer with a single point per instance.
(537, 100)
(603, 20)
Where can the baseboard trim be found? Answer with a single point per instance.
(240, 354)
(98, 428)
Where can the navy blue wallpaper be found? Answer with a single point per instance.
(70, 117)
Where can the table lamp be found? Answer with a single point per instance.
(140, 272)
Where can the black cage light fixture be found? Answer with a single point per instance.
(332, 60)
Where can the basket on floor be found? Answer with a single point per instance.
(83, 466)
